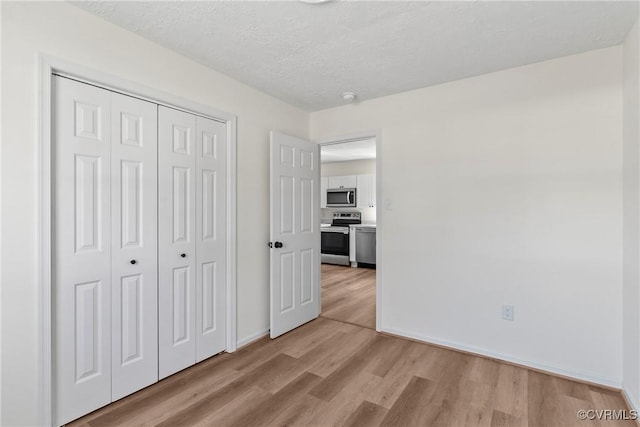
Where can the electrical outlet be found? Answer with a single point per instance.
(507, 312)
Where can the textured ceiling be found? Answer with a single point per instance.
(356, 150)
(308, 54)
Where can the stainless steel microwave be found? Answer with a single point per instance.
(341, 198)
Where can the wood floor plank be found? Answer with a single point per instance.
(409, 409)
(269, 409)
(225, 416)
(543, 402)
(347, 400)
(502, 419)
(367, 414)
(349, 295)
(332, 384)
(511, 391)
(212, 401)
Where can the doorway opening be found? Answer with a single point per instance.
(350, 262)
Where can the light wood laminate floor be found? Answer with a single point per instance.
(329, 373)
(349, 294)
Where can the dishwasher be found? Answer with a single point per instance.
(366, 246)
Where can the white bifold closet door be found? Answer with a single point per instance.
(134, 228)
(192, 239)
(104, 247)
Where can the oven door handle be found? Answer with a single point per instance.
(335, 231)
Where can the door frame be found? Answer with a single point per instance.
(359, 136)
(48, 66)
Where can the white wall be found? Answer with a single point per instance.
(631, 215)
(62, 30)
(516, 178)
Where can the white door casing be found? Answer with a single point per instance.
(211, 175)
(176, 240)
(81, 240)
(295, 233)
(134, 213)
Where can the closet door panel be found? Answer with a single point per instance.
(211, 172)
(176, 240)
(81, 249)
(134, 279)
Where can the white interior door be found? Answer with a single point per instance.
(211, 184)
(295, 233)
(81, 251)
(134, 276)
(176, 240)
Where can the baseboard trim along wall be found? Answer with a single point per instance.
(579, 376)
(243, 342)
(631, 402)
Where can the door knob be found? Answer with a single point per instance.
(278, 244)
(183, 255)
(133, 261)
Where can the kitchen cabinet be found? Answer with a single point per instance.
(324, 182)
(366, 191)
(345, 181)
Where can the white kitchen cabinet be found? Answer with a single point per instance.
(324, 182)
(366, 191)
(344, 181)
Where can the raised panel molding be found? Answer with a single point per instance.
(287, 280)
(306, 276)
(88, 209)
(181, 212)
(88, 327)
(306, 205)
(306, 160)
(209, 285)
(209, 145)
(87, 121)
(286, 217)
(131, 129)
(181, 140)
(181, 312)
(209, 204)
(131, 322)
(286, 156)
(131, 203)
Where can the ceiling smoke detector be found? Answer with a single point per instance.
(349, 96)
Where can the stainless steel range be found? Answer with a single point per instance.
(334, 245)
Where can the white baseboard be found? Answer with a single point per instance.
(631, 401)
(581, 376)
(251, 338)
